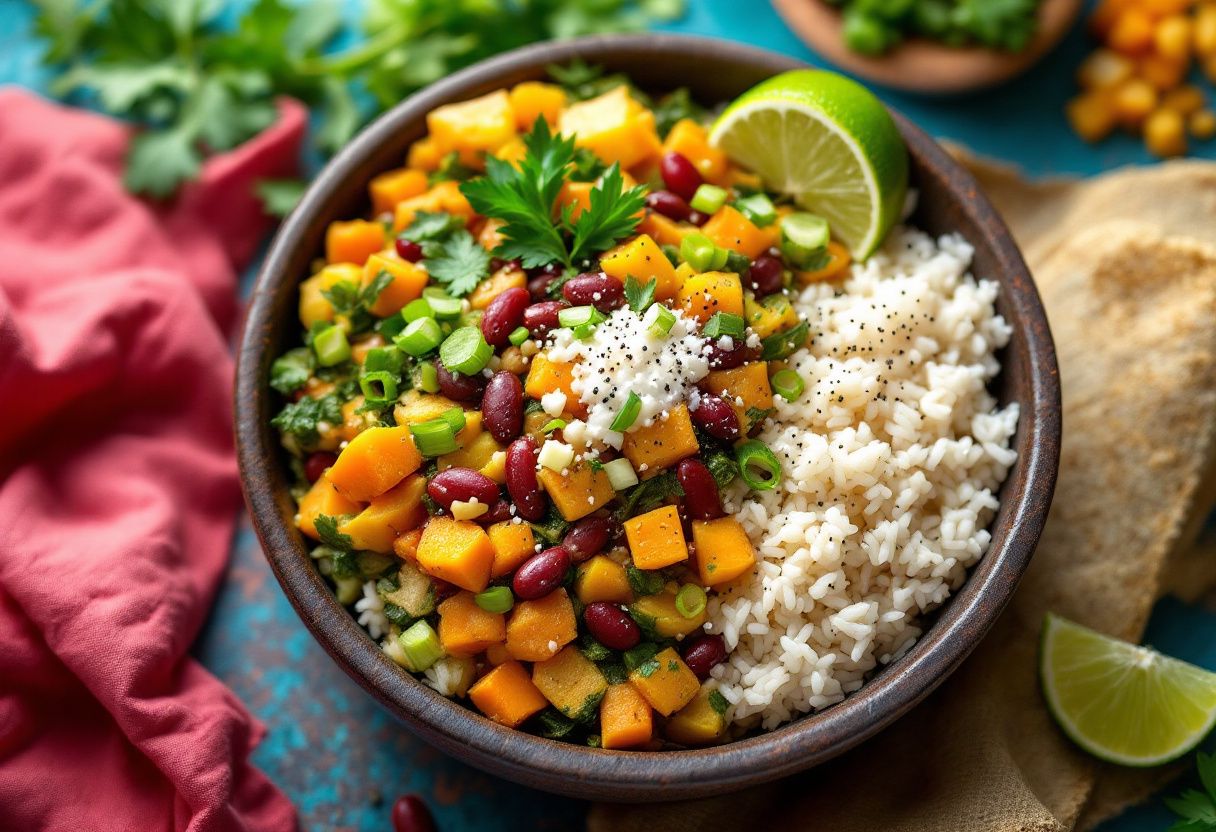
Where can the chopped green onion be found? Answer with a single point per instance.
(737, 263)
(390, 326)
(455, 417)
(621, 474)
(331, 346)
(471, 318)
(628, 414)
(426, 377)
(465, 351)
(708, 198)
(421, 646)
(720, 259)
(445, 309)
(758, 208)
(787, 384)
(659, 320)
(495, 599)
(783, 344)
(698, 251)
(804, 239)
(419, 337)
(552, 425)
(672, 253)
(758, 465)
(434, 438)
(519, 335)
(573, 316)
(378, 386)
(435, 292)
(690, 601)
(723, 323)
(389, 359)
(417, 308)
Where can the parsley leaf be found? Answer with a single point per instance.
(459, 264)
(291, 370)
(675, 107)
(718, 702)
(300, 419)
(643, 583)
(613, 214)
(431, 226)
(280, 196)
(721, 465)
(647, 668)
(639, 296)
(1197, 809)
(327, 530)
(354, 301)
(651, 494)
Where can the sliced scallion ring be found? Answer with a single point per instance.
(518, 335)
(419, 337)
(434, 438)
(758, 465)
(788, 385)
(628, 414)
(331, 346)
(552, 425)
(690, 601)
(421, 646)
(465, 351)
(659, 320)
(497, 599)
(723, 323)
(378, 386)
(708, 199)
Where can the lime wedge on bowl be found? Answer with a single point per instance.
(829, 143)
(1123, 703)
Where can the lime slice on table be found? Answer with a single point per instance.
(828, 142)
(1123, 703)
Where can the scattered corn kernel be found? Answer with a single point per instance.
(1091, 115)
(1133, 101)
(1186, 99)
(1104, 69)
(1132, 32)
(1172, 38)
(1202, 124)
(1165, 133)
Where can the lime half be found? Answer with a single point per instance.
(1120, 702)
(829, 143)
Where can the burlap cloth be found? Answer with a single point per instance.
(1126, 264)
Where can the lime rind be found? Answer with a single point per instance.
(1123, 703)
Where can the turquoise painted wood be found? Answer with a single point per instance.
(342, 759)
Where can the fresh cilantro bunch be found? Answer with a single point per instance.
(524, 196)
(453, 257)
(200, 81)
(1197, 809)
(872, 27)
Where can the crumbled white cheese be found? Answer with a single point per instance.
(556, 456)
(553, 403)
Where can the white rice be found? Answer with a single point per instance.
(891, 460)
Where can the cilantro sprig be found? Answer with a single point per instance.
(1197, 809)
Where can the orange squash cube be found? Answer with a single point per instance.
(730, 229)
(578, 492)
(322, 498)
(701, 295)
(480, 124)
(656, 538)
(406, 546)
(663, 443)
(665, 682)
(456, 551)
(444, 197)
(394, 186)
(353, 241)
(626, 719)
(538, 629)
(698, 722)
(613, 126)
(513, 544)
(506, 695)
(465, 629)
(571, 682)
(689, 139)
(577, 195)
(494, 285)
(744, 387)
(534, 99)
(407, 283)
(839, 258)
(375, 461)
(602, 579)
(388, 516)
(424, 155)
(314, 306)
(664, 231)
(546, 376)
(642, 259)
(722, 550)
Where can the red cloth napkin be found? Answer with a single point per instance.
(118, 486)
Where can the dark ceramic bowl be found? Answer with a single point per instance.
(716, 71)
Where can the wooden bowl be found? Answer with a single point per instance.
(923, 66)
(716, 71)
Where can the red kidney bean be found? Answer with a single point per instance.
(502, 406)
(462, 484)
(504, 314)
(411, 815)
(701, 498)
(588, 536)
(459, 387)
(541, 317)
(316, 464)
(541, 574)
(522, 485)
(408, 250)
(500, 512)
(698, 219)
(611, 626)
(703, 653)
(497, 263)
(716, 417)
(739, 353)
(766, 276)
(597, 289)
(672, 206)
(679, 174)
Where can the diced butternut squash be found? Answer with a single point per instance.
(465, 629)
(496, 467)
(497, 654)
(513, 151)
(699, 722)
(416, 407)
(546, 376)
(394, 186)
(690, 140)
(722, 550)
(322, 498)
(626, 719)
(701, 295)
(571, 683)
(406, 546)
(506, 695)
(642, 259)
(480, 124)
(730, 229)
(665, 682)
(513, 544)
(665, 231)
(388, 516)
(838, 263)
(663, 443)
(353, 241)
(444, 197)
(602, 579)
(578, 492)
(456, 551)
(314, 306)
(475, 453)
(534, 99)
(424, 155)
(577, 195)
(538, 629)
(354, 422)
(769, 316)
(656, 538)
(659, 614)
(494, 285)
(613, 126)
(744, 387)
(407, 283)
(375, 461)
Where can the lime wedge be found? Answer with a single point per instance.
(829, 143)
(1123, 703)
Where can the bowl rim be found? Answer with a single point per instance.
(636, 775)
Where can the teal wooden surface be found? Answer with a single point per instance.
(341, 758)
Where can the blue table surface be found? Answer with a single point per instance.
(341, 758)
